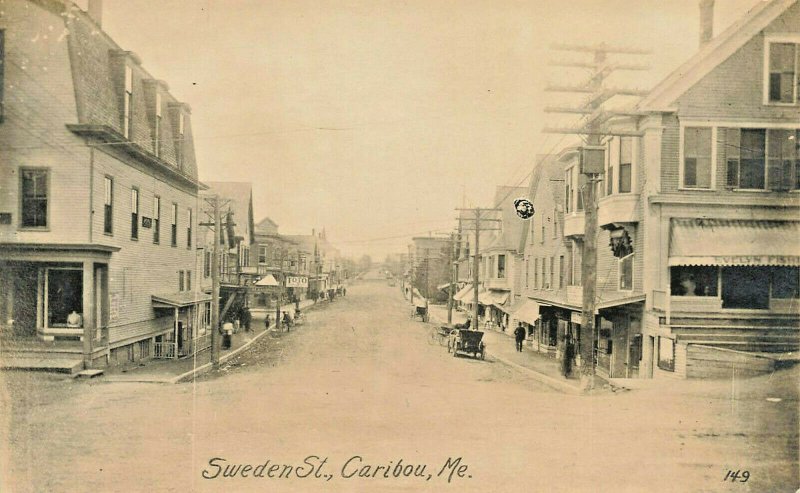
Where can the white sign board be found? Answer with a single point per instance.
(296, 281)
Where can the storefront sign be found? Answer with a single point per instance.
(575, 317)
(296, 281)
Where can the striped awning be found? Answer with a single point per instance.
(734, 242)
(464, 294)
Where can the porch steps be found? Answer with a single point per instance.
(89, 373)
(46, 363)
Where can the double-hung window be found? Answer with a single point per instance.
(108, 205)
(759, 159)
(625, 164)
(134, 213)
(156, 219)
(174, 227)
(189, 228)
(697, 157)
(783, 62)
(34, 200)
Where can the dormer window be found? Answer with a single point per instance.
(783, 65)
(127, 108)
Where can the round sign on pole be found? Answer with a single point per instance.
(524, 208)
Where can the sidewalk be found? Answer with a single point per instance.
(501, 346)
(176, 370)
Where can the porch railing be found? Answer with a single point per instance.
(200, 343)
(164, 350)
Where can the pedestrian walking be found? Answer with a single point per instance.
(246, 317)
(566, 362)
(266, 322)
(519, 335)
(287, 321)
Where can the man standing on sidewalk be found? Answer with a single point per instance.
(519, 335)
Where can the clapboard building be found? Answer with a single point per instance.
(98, 197)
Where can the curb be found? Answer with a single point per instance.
(551, 382)
(225, 358)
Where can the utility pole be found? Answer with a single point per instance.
(452, 278)
(477, 212)
(594, 128)
(215, 285)
(281, 284)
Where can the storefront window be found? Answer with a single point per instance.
(693, 281)
(666, 354)
(745, 287)
(786, 282)
(64, 297)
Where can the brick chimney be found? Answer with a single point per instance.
(95, 11)
(706, 21)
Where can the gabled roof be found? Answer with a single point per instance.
(712, 54)
(240, 200)
(536, 176)
(266, 226)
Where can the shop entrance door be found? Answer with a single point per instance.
(618, 353)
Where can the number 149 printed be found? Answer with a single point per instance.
(737, 475)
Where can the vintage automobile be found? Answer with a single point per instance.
(467, 341)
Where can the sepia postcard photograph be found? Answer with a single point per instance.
(368, 246)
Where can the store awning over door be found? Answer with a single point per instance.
(734, 242)
(528, 312)
(268, 280)
(179, 300)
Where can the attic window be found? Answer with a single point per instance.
(784, 61)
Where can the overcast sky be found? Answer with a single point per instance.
(375, 119)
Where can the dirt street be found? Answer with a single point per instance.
(357, 395)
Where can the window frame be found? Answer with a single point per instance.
(108, 205)
(135, 207)
(682, 155)
(781, 39)
(629, 164)
(156, 219)
(47, 173)
(189, 219)
(174, 225)
(769, 129)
